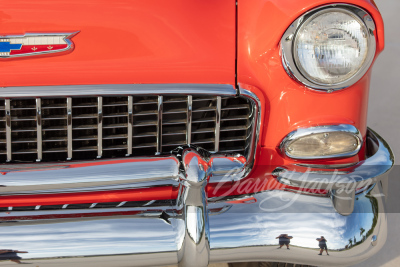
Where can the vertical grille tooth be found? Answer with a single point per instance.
(160, 110)
(235, 129)
(39, 129)
(60, 128)
(99, 127)
(145, 126)
(217, 124)
(130, 126)
(69, 128)
(115, 112)
(84, 128)
(174, 134)
(189, 120)
(54, 142)
(3, 140)
(204, 116)
(23, 127)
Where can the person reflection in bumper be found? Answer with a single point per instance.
(8, 254)
(322, 245)
(284, 239)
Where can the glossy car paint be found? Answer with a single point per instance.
(287, 104)
(125, 41)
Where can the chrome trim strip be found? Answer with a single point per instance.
(97, 175)
(251, 154)
(39, 129)
(142, 210)
(302, 132)
(217, 124)
(118, 89)
(159, 124)
(288, 38)
(92, 187)
(7, 106)
(111, 174)
(69, 127)
(189, 120)
(130, 126)
(343, 182)
(99, 127)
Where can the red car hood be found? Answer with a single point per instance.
(124, 41)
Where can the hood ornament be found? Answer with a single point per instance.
(35, 44)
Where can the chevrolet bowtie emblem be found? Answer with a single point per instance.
(35, 44)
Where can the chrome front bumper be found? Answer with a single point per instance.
(193, 230)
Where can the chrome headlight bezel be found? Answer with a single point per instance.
(288, 40)
(303, 132)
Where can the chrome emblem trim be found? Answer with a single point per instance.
(35, 44)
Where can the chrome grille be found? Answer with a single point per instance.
(88, 127)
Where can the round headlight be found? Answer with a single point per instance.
(330, 47)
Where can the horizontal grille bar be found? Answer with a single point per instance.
(87, 127)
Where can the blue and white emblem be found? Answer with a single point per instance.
(32, 44)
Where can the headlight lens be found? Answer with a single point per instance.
(323, 142)
(330, 47)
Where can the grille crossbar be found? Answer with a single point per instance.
(88, 127)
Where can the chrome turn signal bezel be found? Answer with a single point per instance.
(302, 132)
(288, 39)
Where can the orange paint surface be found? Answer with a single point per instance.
(286, 103)
(125, 41)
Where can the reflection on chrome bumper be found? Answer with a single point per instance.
(190, 231)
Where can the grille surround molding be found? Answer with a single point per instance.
(189, 91)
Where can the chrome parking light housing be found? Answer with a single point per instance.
(319, 133)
